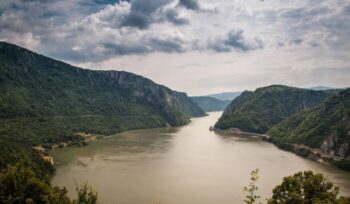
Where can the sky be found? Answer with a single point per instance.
(196, 46)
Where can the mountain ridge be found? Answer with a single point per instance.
(257, 111)
(209, 104)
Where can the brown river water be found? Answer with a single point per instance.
(185, 165)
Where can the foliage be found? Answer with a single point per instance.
(19, 184)
(86, 195)
(260, 110)
(306, 188)
(252, 197)
(313, 126)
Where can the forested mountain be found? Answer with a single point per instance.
(326, 126)
(209, 103)
(45, 101)
(258, 111)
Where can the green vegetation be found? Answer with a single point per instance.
(19, 184)
(312, 124)
(209, 103)
(301, 188)
(252, 189)
(306, 188)
(325, 126)
(44, 101)
(260, 110)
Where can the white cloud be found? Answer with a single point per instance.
(216, 45)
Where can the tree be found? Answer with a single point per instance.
(19, 184)
(306, 188)
(86, 195)
(252, 197)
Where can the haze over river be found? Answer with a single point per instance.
(185, 165)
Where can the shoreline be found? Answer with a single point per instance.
(304, 151)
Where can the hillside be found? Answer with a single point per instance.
(258, 111)
(326, 126)
(225, 95)
(209, 103)
(45, 101)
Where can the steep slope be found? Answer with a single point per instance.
(258, 111)
(226, 95)
(326, 127)
(47, 101)
(209, 103)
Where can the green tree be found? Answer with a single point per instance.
(19, 184)
(252, 197)
(306, 188)
(86, 195)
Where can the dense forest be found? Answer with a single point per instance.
(258, 111)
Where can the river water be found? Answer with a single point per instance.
(185, 165)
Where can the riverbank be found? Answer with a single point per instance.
(314, 154)
(169, 165)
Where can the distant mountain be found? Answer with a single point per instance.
(225, 96)
(326, 127)
(321, 88)
(45, 101)
(258, 111)
(209, 103)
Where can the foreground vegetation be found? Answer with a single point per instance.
(301, 188)
(20, 184)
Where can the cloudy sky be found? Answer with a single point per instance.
(196, 46)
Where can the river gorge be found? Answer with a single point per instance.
(186, 165)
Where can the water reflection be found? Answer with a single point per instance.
(181, 165)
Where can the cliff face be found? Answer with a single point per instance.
(258, 111)
(175, 106)
(325, 127)
(42, 99)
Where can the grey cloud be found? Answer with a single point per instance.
(166, 45)
(173, 16)
(137, 19)
(140, 13)
(190, 4)
(235, 39)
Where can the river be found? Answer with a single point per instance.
(184, 165)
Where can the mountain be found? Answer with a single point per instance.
(258, 111)
(209, 103)
(320, 88)
(225, 96)
(45, 101)
(325, 127)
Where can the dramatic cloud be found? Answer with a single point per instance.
(234, 40)
(190, 4)
(266, 38)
